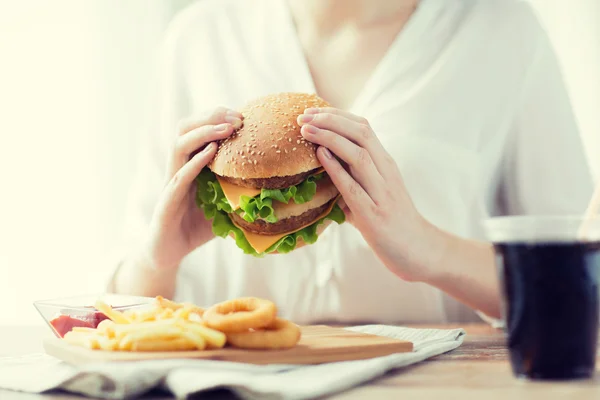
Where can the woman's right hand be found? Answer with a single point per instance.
(178, 226)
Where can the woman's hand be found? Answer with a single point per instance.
(378, 205)
(376, 200)
(178, 226)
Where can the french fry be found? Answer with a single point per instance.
(194, 308)
(184, 312)
(165, 314)
(195, 317)
(143, 315)
(213, 338)
(122, 330)
(165, 303)
(81, 339)
(167, 332)
(105, 343)
(107, 328)
(197, 340)
(116, 316)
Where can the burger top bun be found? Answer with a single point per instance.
(269, 143)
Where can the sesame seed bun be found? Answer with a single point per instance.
(269, 143)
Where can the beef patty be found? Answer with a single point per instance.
(283, 225)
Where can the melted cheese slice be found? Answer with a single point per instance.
(260, 243)
(233, 193)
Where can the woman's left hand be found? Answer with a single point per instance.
(376, 200)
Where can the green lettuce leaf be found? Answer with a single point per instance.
(261, 206)
(209, 195)
(211, 199)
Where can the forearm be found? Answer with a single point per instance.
(464, 269)
(137, 276)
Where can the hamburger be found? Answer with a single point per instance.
(265, 186)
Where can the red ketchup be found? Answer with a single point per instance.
(65, 323)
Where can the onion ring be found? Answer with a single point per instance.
(240, 315)
(281, 334)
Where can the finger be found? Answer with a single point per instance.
(179, 186)
(355, 129)
(358, 159)
(195, 140)
(216, 116)
(337, 111)
(355, 197)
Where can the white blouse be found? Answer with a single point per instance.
(469, 101)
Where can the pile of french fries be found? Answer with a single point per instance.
(162, 326)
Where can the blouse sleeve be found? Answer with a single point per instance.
(545, 170)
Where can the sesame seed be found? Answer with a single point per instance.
(243, 164)
(252, 152)
(243, 156)
(254, 162)
(278, 151)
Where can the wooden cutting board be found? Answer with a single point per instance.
(319, 344)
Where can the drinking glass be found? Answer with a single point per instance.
(548, 279)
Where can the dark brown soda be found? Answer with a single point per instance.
(551, 307)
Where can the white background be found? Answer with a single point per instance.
(75, 94)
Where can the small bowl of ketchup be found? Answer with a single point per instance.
(63, 314)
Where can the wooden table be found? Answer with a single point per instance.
(479, 369)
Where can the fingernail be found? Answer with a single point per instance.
(326, 152)
(312, 111)
(303, 119)
(234, 121)
(221, 128)
(309, 129)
